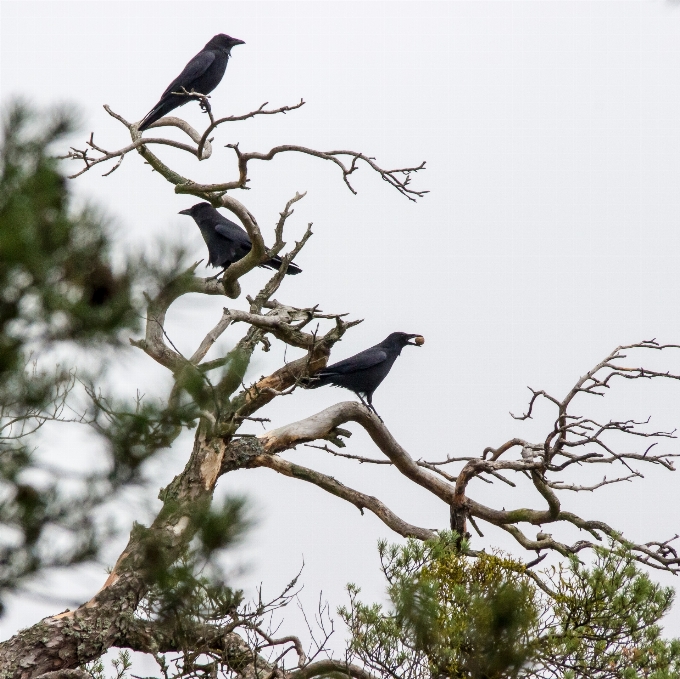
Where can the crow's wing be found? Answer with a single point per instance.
(233, 232)
(194, 69)
(361, 361)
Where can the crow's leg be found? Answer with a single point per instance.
(217, 275)
(205, 106)
(377, 414)
(369, 398)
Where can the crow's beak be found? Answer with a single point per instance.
(239, 42)
(185, 212)
(418, 341)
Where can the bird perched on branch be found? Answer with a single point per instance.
(363, 372)
(202, 74)
(227, 241)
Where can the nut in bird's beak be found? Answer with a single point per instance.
(418, 341)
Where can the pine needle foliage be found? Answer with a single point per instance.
(61, 290)
(484, 617)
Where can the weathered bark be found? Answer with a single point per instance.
(72, 638)
(68, 640)
(58, 645)
(62, 643)
(232, 649)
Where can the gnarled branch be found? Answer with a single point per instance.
(360, 500)
(347, 160)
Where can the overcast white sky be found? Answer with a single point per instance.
(550, 235)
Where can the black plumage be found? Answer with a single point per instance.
(202, 74)
(227, 241)
(364, 372)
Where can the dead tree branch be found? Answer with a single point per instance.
(572, 441)
(358, 499)
(348, 161)
(261, 111)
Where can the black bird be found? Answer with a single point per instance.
(227, 242)
(202, 74)
(364, 372)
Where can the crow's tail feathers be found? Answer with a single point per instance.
(275, 263)
(163, 107)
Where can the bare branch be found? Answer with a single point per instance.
(559, 485)
(508, 445)
(347, 456)
(261, 111)
(371, 460)
(329, 667)
(331, 485)
(399, 178)
(262, 392)
(211, 338)
(66, 674)
(297, 644)
(278, 232)
(533, 462)
(535, 395)
(203, 153)
(154, 341)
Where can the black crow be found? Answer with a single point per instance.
(202, 74)
(364, 372)
(227, 242)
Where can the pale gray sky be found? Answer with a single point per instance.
(550, 235)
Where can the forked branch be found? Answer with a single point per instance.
(537, 460)
(348, 161)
